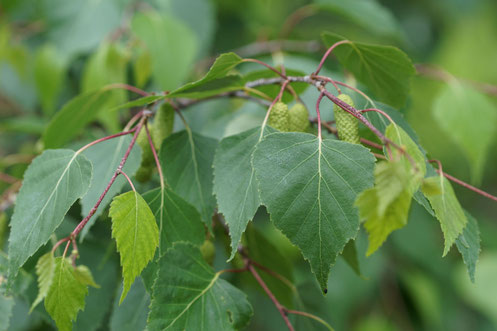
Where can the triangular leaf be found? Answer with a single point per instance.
(105, 158)
(386, 70)
(135, 230)
(189, 295)
(52, 183)
(309, 187)
(45, 268)
(176, 218)
(66, 295)
(84, 276)
(235, 185)
(186, 158)
(469, 118)
(447, 209)
(468, 244)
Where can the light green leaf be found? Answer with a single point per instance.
(131, 315)
(235, 185)
(385, 207)
(447, 209)
(215, 81)
(189, 295)
(309, 187)
(74, 116)
(468, 244)
(45, 268)
(52, 183)
(386, 70)
(186, 158)
(105, 157)
(176, 218)
(470, 119)
(172, 47)
(135, 230)
(66, 296)
(368, 14)
(84, 276)
(49, 70)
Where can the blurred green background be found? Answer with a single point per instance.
(52, 50)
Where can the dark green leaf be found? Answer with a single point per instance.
(386, 70)
(468, 244)
(309, 187)
(131, 315)
(189, 295)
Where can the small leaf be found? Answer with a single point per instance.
(188, 295)
(74, 116)
(135, 230)
(468, 244)
(215, 81)
(309, 187)
(66, 295)
(172, 46)
(385, 207)
(349, 254)
(176, 218)
(469, 118)
(186, 158)
(105, 157)
(447, 209)
(84, 276)
(386, 70)
(235, 185)
(52, 183)
(45, 268)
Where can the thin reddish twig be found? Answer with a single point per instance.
(328, 52)
(267, 66)
(319, 114)
(8, 178)
(378, 111)
(129, 88)
(156, 158)
(104, 139)
(278, 97)
(128, 179)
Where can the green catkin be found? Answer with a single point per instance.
(279, 118)
(299, 118)
(160, 129)
(208, 251)
(347, 125)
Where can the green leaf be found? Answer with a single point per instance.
(370, 15)
(66, 296)
(189, 295)
(84, 276)
(45, 268)
(135, 230)
(349, 254)
(309, 187)
(386, 70)
(131, 315)
(49, 70)
(105, 157)
(215, 81)
(74, 116)
(235, 185)
(447, 209)
(52, 183)
(385, 207)
(470, 119)
(6, 306)
(186, 158)
(172, 47)
(176, 218)
(468, 244)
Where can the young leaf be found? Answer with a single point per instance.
(234, 181)
(105, 158)
(52, 183)
(172, 46)
(189, 295)
(186, 159)
(135, 230)
(215, 81)
(469, 118)
(386, 70)
(74, 116)
(309, 187)
(447, 209)
(385, 207)
(45, 268)
(66, 295)
(177, 219)
(468, 244)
